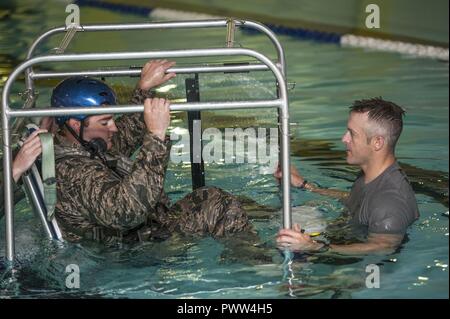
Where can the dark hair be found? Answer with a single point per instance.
(387, 115)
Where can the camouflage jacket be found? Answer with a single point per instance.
(120, 195)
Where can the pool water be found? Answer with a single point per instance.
(327, 79)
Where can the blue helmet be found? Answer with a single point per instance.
(81, 91)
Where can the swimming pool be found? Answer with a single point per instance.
(328, 78)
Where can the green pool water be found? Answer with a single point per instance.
(327, 79)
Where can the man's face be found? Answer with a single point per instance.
(100, 126)
(355, 139)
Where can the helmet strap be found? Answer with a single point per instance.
(79, 138)
(96, 147)
(82, 130)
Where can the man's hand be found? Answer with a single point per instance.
(154, 74)
(157, 116)
(27, 154)
(296, 179)
(296, 240)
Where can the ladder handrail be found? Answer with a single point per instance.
(137, 71)
(7, 114)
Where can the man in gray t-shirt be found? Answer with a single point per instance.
(381, 198)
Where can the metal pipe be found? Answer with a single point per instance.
(7, 113)
(8, 190)
(280, 51)
(137, 71)
(148, 55)
(157, 25)
(206, 106)
(37, 202)
(28, 80)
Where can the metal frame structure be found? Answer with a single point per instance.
(281, 103)
(281, 60)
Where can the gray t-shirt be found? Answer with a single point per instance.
(386, 205)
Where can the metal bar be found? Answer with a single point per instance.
(119, 109)
(7, 113)
(137, 71)
(194, 117)
(157, 25)
(280, 51)
(8, 190)
(33, 194)
(149, 55)
(28, 80)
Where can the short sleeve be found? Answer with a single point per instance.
(388, 214)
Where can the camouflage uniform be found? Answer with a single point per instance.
(124, 199)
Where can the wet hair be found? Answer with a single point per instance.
(386, 116)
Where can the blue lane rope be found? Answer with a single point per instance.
(301, 33)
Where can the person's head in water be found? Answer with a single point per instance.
(85, 92)
(373, 129)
